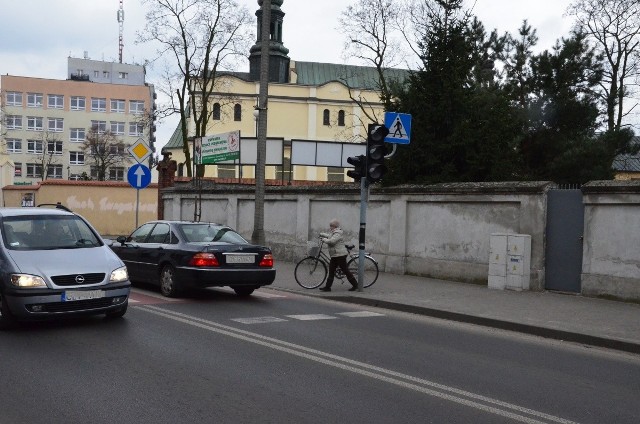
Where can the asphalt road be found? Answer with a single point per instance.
(282, 358)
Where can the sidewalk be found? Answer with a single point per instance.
(597, 322)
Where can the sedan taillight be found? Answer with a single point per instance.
(204, 259)
(267, 260)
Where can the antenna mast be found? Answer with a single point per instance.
(121, 25)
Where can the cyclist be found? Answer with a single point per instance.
(338, 254)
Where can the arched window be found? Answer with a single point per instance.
(216, 112)
(341, 118)
(237, 112)
(325, 117)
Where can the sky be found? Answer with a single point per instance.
(38, 44)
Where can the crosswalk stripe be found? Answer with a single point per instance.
(311, 317)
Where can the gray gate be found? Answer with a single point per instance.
(563, 253)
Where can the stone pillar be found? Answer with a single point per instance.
(167, 175)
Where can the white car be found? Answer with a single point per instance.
(53, 263)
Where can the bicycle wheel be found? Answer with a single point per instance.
(370, 275)
(310, 272)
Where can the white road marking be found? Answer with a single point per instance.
(154, 295)
(256, 293)
(360, 314)
(463, 397)
(311, 317)
(258, 320)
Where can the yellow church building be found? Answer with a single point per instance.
(318, 114)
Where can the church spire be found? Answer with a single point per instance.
(278, 53)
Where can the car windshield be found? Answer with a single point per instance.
(198, 233)
(46, 232)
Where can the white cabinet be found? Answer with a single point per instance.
(509, 261)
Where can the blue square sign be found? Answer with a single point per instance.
(399, 125)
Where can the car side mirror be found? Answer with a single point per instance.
(122, 240)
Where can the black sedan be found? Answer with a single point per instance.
(181, 254)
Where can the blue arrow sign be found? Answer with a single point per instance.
(139, 176)
(399, 125)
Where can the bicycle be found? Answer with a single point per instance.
(311, 271)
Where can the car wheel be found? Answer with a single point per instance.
(118, 313)
(243, 291)
(168, 285)
(7, 320)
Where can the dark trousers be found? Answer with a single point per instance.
(341, 262)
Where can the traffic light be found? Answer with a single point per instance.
(359, 164)
(376, 151)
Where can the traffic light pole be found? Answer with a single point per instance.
(364, 198)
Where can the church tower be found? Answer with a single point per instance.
(278, 53)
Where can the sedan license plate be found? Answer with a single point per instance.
(71, 295)
(240, 259)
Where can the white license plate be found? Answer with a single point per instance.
(240, 259)
(72, 295)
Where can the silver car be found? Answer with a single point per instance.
(53, 263)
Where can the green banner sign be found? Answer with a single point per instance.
(217, 148)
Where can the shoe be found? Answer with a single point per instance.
(325, 289)
(353, 288)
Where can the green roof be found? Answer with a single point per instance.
(365, 77)
(175, 141)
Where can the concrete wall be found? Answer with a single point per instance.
(109, 206)
(611, 258)
(440, 231)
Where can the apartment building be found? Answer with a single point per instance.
(52, 117)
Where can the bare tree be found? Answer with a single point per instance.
(104, 150)
(197, 39)
(613, 26)
(50, 148)
(368, 26)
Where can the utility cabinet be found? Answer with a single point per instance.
(509, 261)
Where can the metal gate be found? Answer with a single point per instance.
(563, 253)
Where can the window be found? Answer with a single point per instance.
(237, 112)
(55, 101)
(34, 170)
(54, 147)
(335, 174)
(341, 118)
(14, 145)
(117, 106)
(226, 171)
(75, 177)
(55, 124)
(216, 112)
(116, 149)
(117, 128)
(136, 129)
(325, 117)
(76, 158)
(78, 103)
(34, 99)
(99, 126)
(14, 98)
(93, 172)
(136, 106)
(123, 75)
(96, 74)
(14, 122)
(35, 123)
(98, 104)
(105, 74)
(283, 172)
(35, 147)
(77, 135)
(116, 173)
(54, 171)
(17, 169)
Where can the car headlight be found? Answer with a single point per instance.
(27, 281)
(119, 275)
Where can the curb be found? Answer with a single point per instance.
(548, 333)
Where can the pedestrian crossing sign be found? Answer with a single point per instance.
(399, 125)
